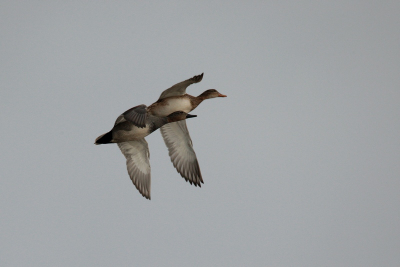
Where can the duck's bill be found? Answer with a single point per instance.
(221, 95)
(190, 116)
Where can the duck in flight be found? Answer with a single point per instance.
(176, 135)
(130, 139)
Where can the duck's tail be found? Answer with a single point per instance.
(104, 139)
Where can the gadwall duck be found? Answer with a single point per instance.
(130, 139)
(176, 135)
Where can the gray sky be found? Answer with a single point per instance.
(300, 161)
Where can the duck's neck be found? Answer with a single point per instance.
(196, 100)
(157, 123)
(204, 96)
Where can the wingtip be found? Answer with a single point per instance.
(145, 195)
(198, 78)
(193, 182)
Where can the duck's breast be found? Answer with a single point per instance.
(164, 108)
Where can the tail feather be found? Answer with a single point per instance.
(104, 139)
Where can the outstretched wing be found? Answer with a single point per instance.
(180, 88)
(137, 162)
(137, 115)
(176, 137)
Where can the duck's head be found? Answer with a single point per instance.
(178, 116)
(211, 93)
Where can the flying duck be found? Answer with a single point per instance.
(131, 142)
(176, 135)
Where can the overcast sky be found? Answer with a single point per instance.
(301, 162)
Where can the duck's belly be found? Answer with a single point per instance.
(172, 105)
